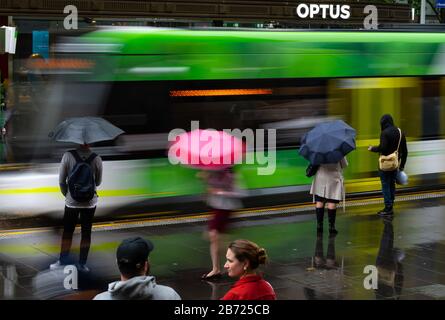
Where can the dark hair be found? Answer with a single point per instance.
(248, 250)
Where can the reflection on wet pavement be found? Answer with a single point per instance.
(405, 257)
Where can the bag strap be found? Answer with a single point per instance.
(79, 159)
(91, 158)
(76, 156)
(400, 139)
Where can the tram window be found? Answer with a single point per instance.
(137, 107)
(431, 108)
(286, 109)
(147, 108)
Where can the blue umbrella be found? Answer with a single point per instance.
(328, 142)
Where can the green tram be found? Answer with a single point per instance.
(149, 81)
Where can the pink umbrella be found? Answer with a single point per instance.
(206, 149)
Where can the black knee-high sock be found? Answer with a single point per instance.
(332, 214)
(320, 216)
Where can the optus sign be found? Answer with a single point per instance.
(325, 11)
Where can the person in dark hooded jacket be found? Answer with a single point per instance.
(389, 140)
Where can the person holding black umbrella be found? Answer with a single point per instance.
(75, 206)
(80, 174)
(326, 146)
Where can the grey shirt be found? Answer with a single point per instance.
(67, 164)
(138, 288)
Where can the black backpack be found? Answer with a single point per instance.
(81, 182)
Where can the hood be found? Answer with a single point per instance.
(136, 288)
(386, 121)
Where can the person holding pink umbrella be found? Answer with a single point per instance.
(223, 200)
(215, 153)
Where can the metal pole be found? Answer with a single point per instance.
(422, 11)
(10, 56)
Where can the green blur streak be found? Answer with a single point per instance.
(164, 179)
(207, 55)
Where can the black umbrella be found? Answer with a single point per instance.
(328, 142)
(85, 130)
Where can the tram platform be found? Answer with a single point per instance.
(408, 251)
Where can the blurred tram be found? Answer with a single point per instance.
(149, 81)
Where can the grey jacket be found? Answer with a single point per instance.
(66, 165)
(328, 181)
(138, 288)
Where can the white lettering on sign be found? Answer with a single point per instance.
(303, 14)
(332, 11)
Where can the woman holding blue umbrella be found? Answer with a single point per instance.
(328, 188)
(326, 146)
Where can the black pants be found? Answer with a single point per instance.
(70, 219)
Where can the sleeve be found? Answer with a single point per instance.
(98, 177)
(403, 153)
(63, 174)
(383, 144)
(176, 296)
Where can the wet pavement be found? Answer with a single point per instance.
(407, 252)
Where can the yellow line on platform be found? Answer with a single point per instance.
(132, 222)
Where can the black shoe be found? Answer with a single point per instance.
(387, 211)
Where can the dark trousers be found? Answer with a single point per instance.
(70, 219)
(388, 179)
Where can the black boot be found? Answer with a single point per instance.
(332, 214)
(320, 216)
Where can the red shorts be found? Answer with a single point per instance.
(220, 220)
